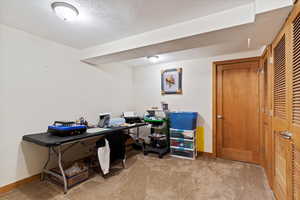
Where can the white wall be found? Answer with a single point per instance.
(42, 81)
(197, 88)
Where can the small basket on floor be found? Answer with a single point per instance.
(72, 178)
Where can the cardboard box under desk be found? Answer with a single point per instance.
(71, 180)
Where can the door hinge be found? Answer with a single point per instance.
(219, 117)
(259, 70)
(271, 113)
(271, 60)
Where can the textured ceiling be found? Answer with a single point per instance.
(102, 21)
(224, 41)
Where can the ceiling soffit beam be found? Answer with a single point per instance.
(262, 6)
(221, 20)
(226, 19)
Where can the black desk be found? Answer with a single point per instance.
(55, 143)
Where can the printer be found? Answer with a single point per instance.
(131, 117)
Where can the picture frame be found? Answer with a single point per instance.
(171, 81)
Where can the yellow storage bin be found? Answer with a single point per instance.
(200, 139)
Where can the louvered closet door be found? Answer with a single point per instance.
(295, 125)
(296, 174)
(283, 148)
(280, 84)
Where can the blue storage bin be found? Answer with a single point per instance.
(183, 120)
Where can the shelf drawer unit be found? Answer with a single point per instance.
(183, 143)
(179, 133)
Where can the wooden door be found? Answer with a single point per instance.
(281, 119)
(286, 106)
(295, 101)
(266, 117)
(283, 166)
(238, 135)
(296, 174)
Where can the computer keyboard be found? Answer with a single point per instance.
(95, 130)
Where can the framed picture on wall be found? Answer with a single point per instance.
(171, 81)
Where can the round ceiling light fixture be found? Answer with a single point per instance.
(153, 58)
(65, 11)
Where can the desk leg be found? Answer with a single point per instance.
(138, 133)
(46, 164)
(140, 142)
(62, 170)
(124, 162)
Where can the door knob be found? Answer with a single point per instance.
(219, 117)
(286, 135)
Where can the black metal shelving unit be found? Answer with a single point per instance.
(159, 137)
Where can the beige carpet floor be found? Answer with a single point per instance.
(150, 178)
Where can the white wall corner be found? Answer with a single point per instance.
(262, 49)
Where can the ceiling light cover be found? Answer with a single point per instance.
(65, 11)
(153, 58)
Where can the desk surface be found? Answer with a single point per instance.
(48, 140)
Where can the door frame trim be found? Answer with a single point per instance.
(214, 91)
